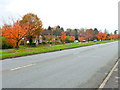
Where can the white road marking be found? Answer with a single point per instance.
(22, 67)
(107, 78)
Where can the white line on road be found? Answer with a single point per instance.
(22, 67)
(108, 76)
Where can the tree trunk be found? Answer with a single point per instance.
(37, 40)
(17, 45)
(88, 39)
(30, 41)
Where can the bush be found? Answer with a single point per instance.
(68, 41)
(54, 42)
(50, 42)
(44, 42)
(57, 41)
(4, 44)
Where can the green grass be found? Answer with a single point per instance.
(22, 51)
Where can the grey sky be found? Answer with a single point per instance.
(66, 13)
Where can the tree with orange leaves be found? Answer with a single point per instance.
(72, 38)
(82, 38)
(14, 33)
(115, 36)
(101, 36)
(110, 37)
(89, 34)
(63, 36)
(35, 26)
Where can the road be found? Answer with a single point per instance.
(83, 67)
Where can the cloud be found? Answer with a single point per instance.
(67, 13)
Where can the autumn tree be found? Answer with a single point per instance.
(63, 36)
(49, 37)
(72, 38)
(101, 36)
(115, 36)
(90, 34)
(110, 37)
(82, 33)
(35, 25)
(81, 38)
(14, 33)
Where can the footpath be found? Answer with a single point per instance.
(114, 80)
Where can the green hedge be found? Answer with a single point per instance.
(4, 44)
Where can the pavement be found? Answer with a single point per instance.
(113, 80)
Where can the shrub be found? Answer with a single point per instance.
(57, 41)
(68, 41)
(5, 44)
(45, 42)
(54, 42)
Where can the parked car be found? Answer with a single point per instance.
(83, 40)
(95, 40)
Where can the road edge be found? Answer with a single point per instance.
(108, 75)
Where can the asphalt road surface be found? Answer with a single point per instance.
(84, 67)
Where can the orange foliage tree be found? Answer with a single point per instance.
(63, 36)
(82, 38)
(115, 36)
(89, 34)
(14, 33)
(101, 36)
(110, 37)
(72, 38)
(49, 37)
(35, 26)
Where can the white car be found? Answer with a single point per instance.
(76, 41)
(95, 40)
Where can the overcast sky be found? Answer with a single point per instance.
(99, 14)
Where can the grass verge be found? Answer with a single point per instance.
(35, 50)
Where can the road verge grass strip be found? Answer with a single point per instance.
(37, 50)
